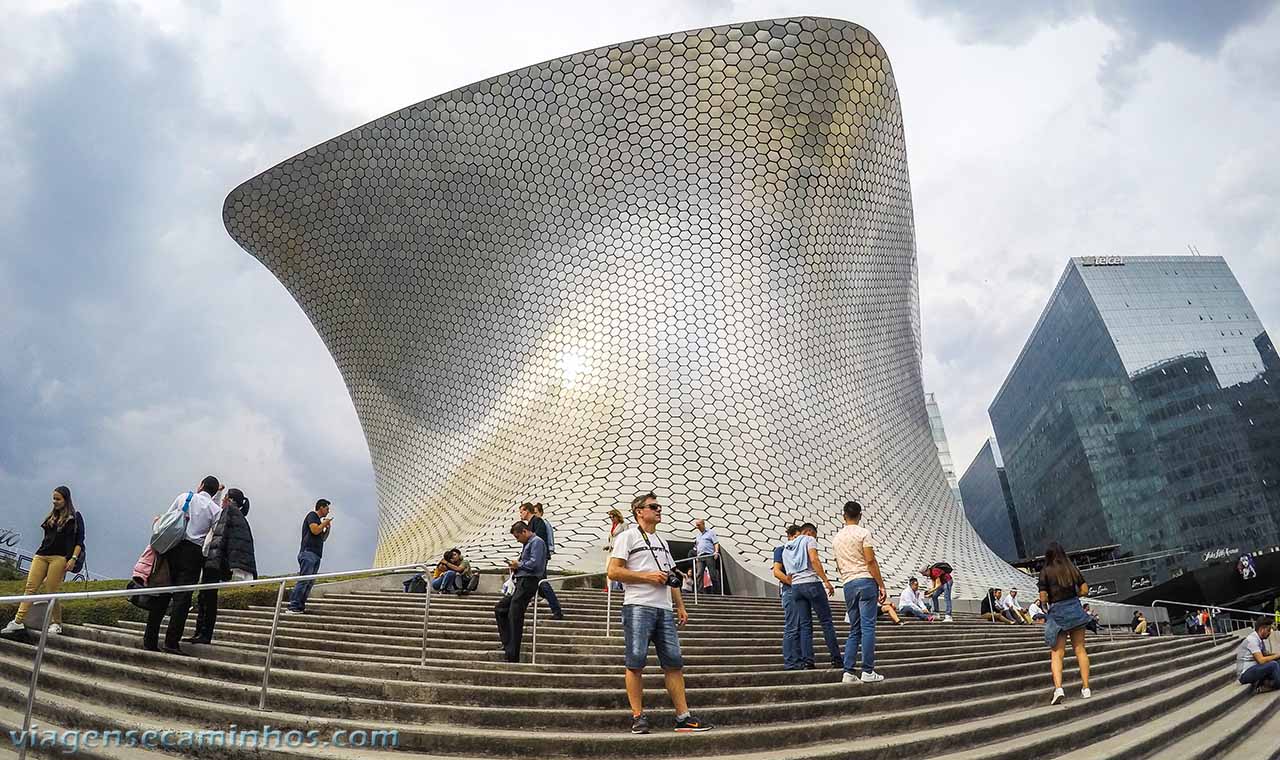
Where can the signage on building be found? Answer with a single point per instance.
(9, 538)
(1213, 554)
(1139, 581)
(1103, 588)
(1102, 261)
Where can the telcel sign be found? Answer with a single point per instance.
(1102, 261)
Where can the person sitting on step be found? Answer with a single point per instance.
(451, 573)
(1138, 624)
(990, 608)
(911, 601)
(1007, 607)
(1036, 612)
(1255, 665)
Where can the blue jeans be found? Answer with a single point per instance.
(642, 624)
(1262, 673)
(943, 589)
(448, 582)
(914, 612)
(808, 598)
(308, 564)
(790, 632)
(862, 599)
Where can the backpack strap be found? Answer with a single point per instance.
(186, 504)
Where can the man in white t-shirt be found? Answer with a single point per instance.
(642, 561)
(911, 601)
(185, 561)
(1254, 664)
(864, 592)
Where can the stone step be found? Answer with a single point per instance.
(484, 631)
(13, 699)
(502, 674)
(575, 738)
(1152, 738)
(107, 662)
(1263, 740)
(548, 652)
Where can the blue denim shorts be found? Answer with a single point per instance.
(641, 625)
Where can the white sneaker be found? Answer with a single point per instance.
(1058, 695)
(1085, 693)
(872, 677)
(850, 678)
(948, 619)
(54, 628)
(13, 627)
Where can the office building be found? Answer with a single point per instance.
(1141, 413)
(988, 503)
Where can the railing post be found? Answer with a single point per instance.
(35, 678)
(697, 579)
(720, 564)
(608, 605)
(426, 614)
(533, 659)
(271, 648)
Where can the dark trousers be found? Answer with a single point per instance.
(308, 564)
(185, 562)
(207, 606)
(549, 595)
(510, 615)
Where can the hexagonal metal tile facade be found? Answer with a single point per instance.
(684, 263)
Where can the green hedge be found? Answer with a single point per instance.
(111, 611)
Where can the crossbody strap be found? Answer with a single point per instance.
(656, 561)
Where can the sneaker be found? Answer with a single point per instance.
(560, 616)
(1085, 693)
(947, 619)
(292, 611)
(850, 678)
(837, 664)
(1058, 695)
(55, 629)
(640, 724)
(872, 677)
(689, 724)
(13, 627)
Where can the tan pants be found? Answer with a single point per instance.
(47, 571)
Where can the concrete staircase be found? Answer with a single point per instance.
(967, 689)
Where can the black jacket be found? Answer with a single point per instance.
(232, 545)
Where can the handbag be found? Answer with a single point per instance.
(171, 528)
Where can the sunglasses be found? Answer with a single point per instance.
(654, 507)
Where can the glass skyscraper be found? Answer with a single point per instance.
(988, 503)
(1142, 412)
(944, 449)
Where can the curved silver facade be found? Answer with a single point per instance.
(684, 263)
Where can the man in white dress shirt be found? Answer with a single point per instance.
(911, 602)
(185, 562)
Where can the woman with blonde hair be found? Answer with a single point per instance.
(60, 549)
(617, 525)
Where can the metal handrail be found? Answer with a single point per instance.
(1211, 607)
(53, 599)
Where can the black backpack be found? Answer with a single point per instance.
(943, 566)
(416, 585)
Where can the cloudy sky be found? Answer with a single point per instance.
(141, 349)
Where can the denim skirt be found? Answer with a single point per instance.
(1063, 616)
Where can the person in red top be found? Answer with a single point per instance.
(939, 575)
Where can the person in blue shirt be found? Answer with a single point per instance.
(790, 629)
(315, 531)
(528, 570)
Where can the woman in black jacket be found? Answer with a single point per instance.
(229, 556)
(63, 542)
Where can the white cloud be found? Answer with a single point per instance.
(142, 348)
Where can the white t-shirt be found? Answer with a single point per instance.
(1034, 610)
(630, 547)
(1013, 602)
(1005, 603)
